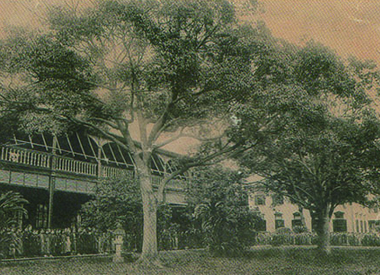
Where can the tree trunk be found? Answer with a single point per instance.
(149, 253)
(323, 232)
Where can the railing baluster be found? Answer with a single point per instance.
(33, 159)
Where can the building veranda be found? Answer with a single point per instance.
(57, 174)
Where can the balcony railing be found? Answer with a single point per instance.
(27, 157)
(58, 163)
(74, 166)
(113, 172)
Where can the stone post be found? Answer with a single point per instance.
(119, 239)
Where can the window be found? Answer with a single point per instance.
(297, 219)
(339, 215)
(41, 217)
(279, 221)
(260, 200)
(339, 222)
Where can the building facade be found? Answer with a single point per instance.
(279, 212)
(58, 174)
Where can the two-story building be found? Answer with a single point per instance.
(58, 174)
(278, 212)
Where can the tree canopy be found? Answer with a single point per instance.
(140, 73)
(325, 154)
(144, 74)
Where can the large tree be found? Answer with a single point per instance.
(140, 73)
(325, 156)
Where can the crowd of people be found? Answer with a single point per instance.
(31, 242)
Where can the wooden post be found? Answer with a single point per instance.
(52, 182)
(51, 199)
(99, 157)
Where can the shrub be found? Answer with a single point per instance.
(283, 236)
(263, 238)
(282, 239)
(284, 230)
(370, 239)
(10, 204)
(221, 207)
(339, 239)
(300, 229)
(353, 240)
(303, 238)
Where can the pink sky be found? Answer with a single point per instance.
(351, 27)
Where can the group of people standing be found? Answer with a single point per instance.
(55, 242)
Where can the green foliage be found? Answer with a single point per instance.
(11, 205)
(117, 201)
(300, 229)
(221, 205)
(284, 230)
(309, 238)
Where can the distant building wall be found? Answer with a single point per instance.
(346, 218)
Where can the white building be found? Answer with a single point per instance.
(278, 212)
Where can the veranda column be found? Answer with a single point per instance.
(52, 182)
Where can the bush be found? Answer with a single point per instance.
(281, 239)
(353, 240)
(300, 229)
(339, 239)
(263, 238)
(303, 238)
(370, 239)
(284, 230)
(221, 207)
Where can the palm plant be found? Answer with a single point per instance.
(11, 205)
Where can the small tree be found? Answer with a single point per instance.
(221, 205)
(119, 201)
(116, 201)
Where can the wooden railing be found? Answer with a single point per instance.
(113, 172)
(75, 166)
(27, 157)
(58, 163)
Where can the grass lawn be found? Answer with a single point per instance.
(279, 260)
